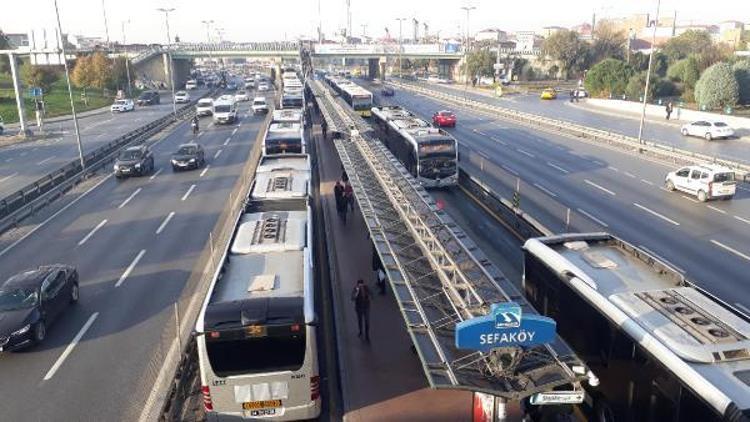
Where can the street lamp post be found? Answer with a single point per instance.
(106, 27)
(169, 57)
(648, 74)
(400, 46)
(70, 89)
(208, 37)
(468, 9)
(127, 60)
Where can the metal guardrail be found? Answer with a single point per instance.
(438, 275)
(34, 196)
(661, 151)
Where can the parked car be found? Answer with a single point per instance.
(444, 118)
(387, 91)
(705, 181)
(707, 130)
(188, 156)
(548, 94)
(122, 105)
(263, 87)
(259, 105)
(241, 95)
(181, 97)
(148, 98)
(205, 107)
(136, 160)
(31, 301)
(191, 84)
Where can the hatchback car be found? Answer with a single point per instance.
(31, 301)
(444, 118)
(181, 97)
(241, 95)
(707, 130)
(205, 107)
(148, 98)
(263, 87)
(188, 156)
(122, 105)
(548, 94)
(134, 161)
(259, 105)
(705, 181)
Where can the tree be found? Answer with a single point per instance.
(717, 87)
(610, 76)
(608, 42)
(119, 74)
(741, 70)
(83, 73)
(101, 70)
(565, 47)
(4, 45)
(38, 76)
(480, 63)
(685, 71)
(698, 43)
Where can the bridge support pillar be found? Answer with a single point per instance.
(373, 68)
(447, 69)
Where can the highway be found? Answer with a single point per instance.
(23, 163)
(561, 109)
(134, 243)
(605, 189)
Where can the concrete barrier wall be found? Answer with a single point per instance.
(682, 115)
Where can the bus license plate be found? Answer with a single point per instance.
(262, 404)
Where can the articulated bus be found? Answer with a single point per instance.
(256, 337)
(662, 348)
(285, 138)
(429, 154)
(357, 97)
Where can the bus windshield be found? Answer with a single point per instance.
(361, 102)
(437, 148)
(268, 348)
(291, 102)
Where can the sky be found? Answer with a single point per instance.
(263, 20)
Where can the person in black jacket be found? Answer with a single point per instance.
(361, 299)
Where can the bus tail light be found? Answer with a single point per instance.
(207, 403)
(314, 387)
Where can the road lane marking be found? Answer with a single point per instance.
(234, 131)
(602, 223)
(656, 255)
(631, 175)
(132, 195)
(199, 134)
(227, 141)
(744, 220)
(153, 176)
(656, 214)
(558, 168)
(483, 155)
(91, 233)
(526, 153)
(218, 153)
(545, 190)
(647, 182)
(165, 222)
(9, 177)
(130, 267)
(689, 198)
(716, 209)
(499, 141)
(730, 249)
(601, 188)
(71, 346)
(189, 191)
(508, 169)
(8, 160)
(613, 169)
(204, 171)
(742, 307)
(45, 160)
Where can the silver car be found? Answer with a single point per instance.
(707, 130)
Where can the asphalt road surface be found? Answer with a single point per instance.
(23, 163)
(134, 243)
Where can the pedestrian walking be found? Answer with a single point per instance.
(338, 193)
(344, 176)
(349, 195)
(377, 267)
(669, 109)
(361, 299)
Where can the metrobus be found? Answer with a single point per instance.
(282, 176)
(358, 98)
(255, 334)
(662, 348)
(291, 115)
(292, 100)
(429, 154)
(284, 138)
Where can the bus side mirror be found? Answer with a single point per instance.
(195, 333)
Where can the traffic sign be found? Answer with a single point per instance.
(557, 397)
(504, 326)
(35, 91)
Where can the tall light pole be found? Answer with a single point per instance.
(169, 56)
(208, 37)
(106, 27)
(127, 60)
(648, 74)
(468, 9)
(400, 46)
(70, 89)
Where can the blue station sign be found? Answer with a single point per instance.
(504, 326)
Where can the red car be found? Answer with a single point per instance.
(444, 118)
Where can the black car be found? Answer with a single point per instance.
(148, 98)
(134, 161)
(387, 91)
(188, 156)
(31, 301)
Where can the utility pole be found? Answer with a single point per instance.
(106, 27)
(348, 18)
(70, 89)
(468, 9)
(416, 29)
(364, 30)
(169, 56)
(648, 74)
(127, 60)
(630, 40)
(208, 23)
(400, 45)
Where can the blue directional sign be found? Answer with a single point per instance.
(35, 91)
(504, 326)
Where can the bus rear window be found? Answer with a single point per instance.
(281, 349)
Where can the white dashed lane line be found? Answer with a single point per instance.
(165, 222)
(8, 177)
(227, 141)
(719, 210)
(601, 188)
(189, 191)
(71, 346)
(91, 233)
(647, 182)
(45, 160)
(744, 220)
(558, 168)
(526, 153)
(656, 214)
(689, 198)
(130, 267)
(132, 195)
(545, 190)
(153, 176)
(592, 217)
(510, 170)
(203, 173)
(218, 153)
(730, 249)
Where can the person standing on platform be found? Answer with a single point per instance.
(338, 192)
(349, 195)
(361, 299)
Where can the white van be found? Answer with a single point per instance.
(225, 110)
(705, 181)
